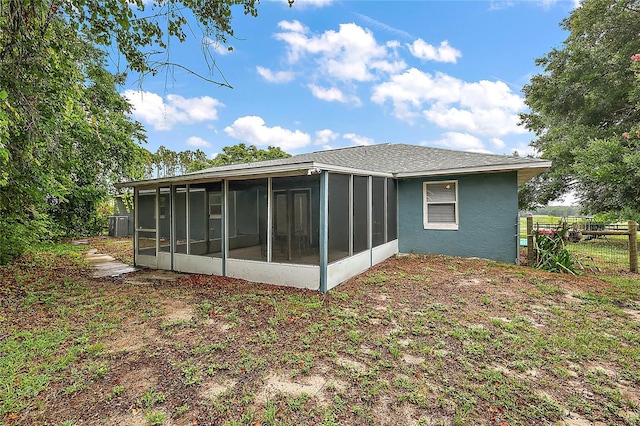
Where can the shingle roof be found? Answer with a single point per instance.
(401, 160)
(392, 158)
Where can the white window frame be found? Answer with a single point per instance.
(426, 203)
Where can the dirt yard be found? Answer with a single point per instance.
(417, 340)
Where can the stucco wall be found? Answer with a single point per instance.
(488, 210)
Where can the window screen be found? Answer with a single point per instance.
(360, 213)
(339, 223)
(181, 220)
(392, 210)
(441, 205)
(378, 211)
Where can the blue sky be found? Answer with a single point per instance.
(330, 74)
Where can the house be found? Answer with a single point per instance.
(315, 220)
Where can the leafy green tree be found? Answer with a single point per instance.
(101, 151)
(166, 162)
(65, 135)
(141, 31)
(580, 107)
(189, 161)
(64, 130)
(241, 153)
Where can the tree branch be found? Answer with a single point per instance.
(157, 65)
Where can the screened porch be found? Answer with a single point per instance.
(290, 230)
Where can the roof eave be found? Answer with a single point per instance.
(526, 171)
(251, 172)
(308, 167)
(353, 171)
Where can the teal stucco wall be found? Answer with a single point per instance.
(488, 216)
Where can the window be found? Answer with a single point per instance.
(441, 205)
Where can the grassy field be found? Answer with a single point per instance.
(536, 219)
(423, 340)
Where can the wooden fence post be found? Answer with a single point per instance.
(633, 246)
(531, 255)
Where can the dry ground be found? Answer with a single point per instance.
(422, 340)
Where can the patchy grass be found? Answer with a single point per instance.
(416, 340)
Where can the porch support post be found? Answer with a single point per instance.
(350, 215)
(157, 209)
(269, 218)
(324, 230)
(188, 218)
(136, 207)
(225, 226)
(370, 220)
(386, 210)
(633, 246)
(172, 223)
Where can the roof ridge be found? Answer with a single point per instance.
(458, 151)
(344, 148)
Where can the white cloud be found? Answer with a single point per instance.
(498, 143)
(459, 141)
(524, 149)
(425, 51)
(500, 5)
(548, 4)
(151, 108)
(218, 48)
(323, 137)
(294, 26)
(252, 129)
(349, 54)
(333, 94)
(275, 77)
(488, 108)
(198, 142)
(409, 90)
(488, 122)
(196, 109)
(358, 140)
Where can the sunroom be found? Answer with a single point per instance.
(288, 224)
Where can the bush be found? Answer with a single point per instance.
(551, 253)
(17, 235)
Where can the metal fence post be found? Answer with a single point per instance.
(633, 246)
(531, 256)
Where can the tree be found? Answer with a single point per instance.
(102, 149)
(141, 31)
(65, 135)
(190, 161)
(241, 153)
(581, 106)
(166, 162)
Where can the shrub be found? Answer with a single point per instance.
(551, 253)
